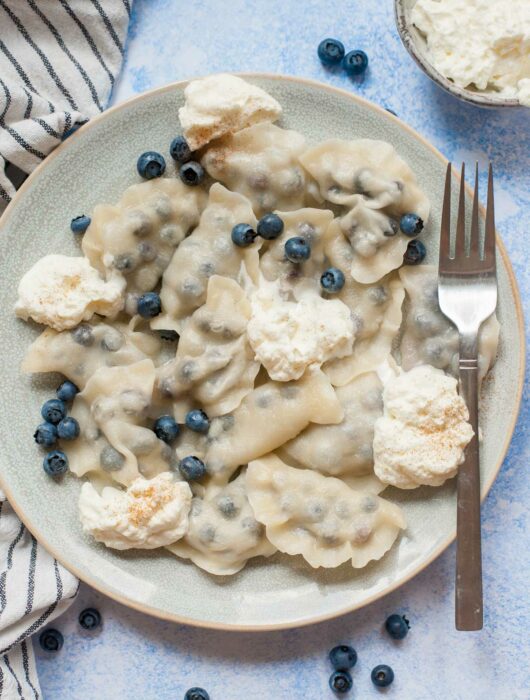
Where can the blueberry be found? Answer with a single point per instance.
(343, 657)
(196, 694)
(53, 411)
(151, 164)
(243, 235)
(270, 226)
(355, 62)
(331, 52)
(68, 429)
(166, 428)
(67, 391)
(149, 305)
(179, 149)
(46, 434)
(83, 335)
(191, 173)
(382, 676)
(411, 224)
(55, 463)
(397, 626)
(415, 253)
(198, 421)
(297, 249)
(80, 224)
(110, 459)
(340, 682)
(192, 468)
(332, 280)
(51, 640)
(89, 619)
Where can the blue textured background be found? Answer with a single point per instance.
(134, 656)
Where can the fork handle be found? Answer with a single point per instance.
(468, 602)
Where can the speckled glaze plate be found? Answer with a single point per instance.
(95, 165)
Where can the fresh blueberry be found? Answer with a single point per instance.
(110, 459)
(243, 235)
(196, 694)
(415, 253)
(411, 224)
(382, 676)
(46, 434)
(192, 468)
(397, 626)
(332, 280)
(343, 657)
(297, 249)
(340, 682)
(179, 149)
(166, 428)
(331, 52)
(89, 618)
(83, 335)
(355, 62)
(51, 640)
(80, 224)
(270, 226)
(68, 429)
(191, 173)
(53, 411)
(55, 463)
(198, 421)
(151, 164)
(149, 305)
(67, 391)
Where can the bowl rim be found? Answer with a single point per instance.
(229, 627)
(480, 99)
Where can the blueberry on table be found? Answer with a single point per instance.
(55, 463)
(67, 391)
(243, 235)
(68, 429)
(355, 62)
(411, 224)
(332, 280)
(166, 428)
(415, 253)
(89, 618)
(198, 421)
(340, 682)
(80, 224)
(53, 411)
(270, 226)
(46, 434)
(297, 249)
(331, 52)
(196, 694)
(149, 305)
(51, 640)
(192, 468)
(382, 676)
(150, 165)
(191, 173)
(397, 626)
(179, 149)
(343, 657)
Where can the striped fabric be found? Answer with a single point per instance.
(58, 63)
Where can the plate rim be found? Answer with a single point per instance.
(237, 627)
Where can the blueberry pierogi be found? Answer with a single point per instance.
(251, 354)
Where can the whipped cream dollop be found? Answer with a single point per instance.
(289, 336)
(151, 513)
(479, 43)
(223, 104)
(421, 436)
(61, 291)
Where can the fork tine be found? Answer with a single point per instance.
(489, 236)
(445, 229)
(474, 242)
(460, 239)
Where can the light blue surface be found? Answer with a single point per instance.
(135, 656)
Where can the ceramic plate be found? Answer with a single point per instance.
(95, 165)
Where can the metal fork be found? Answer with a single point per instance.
(467, 294)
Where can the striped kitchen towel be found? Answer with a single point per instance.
(58, 63)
